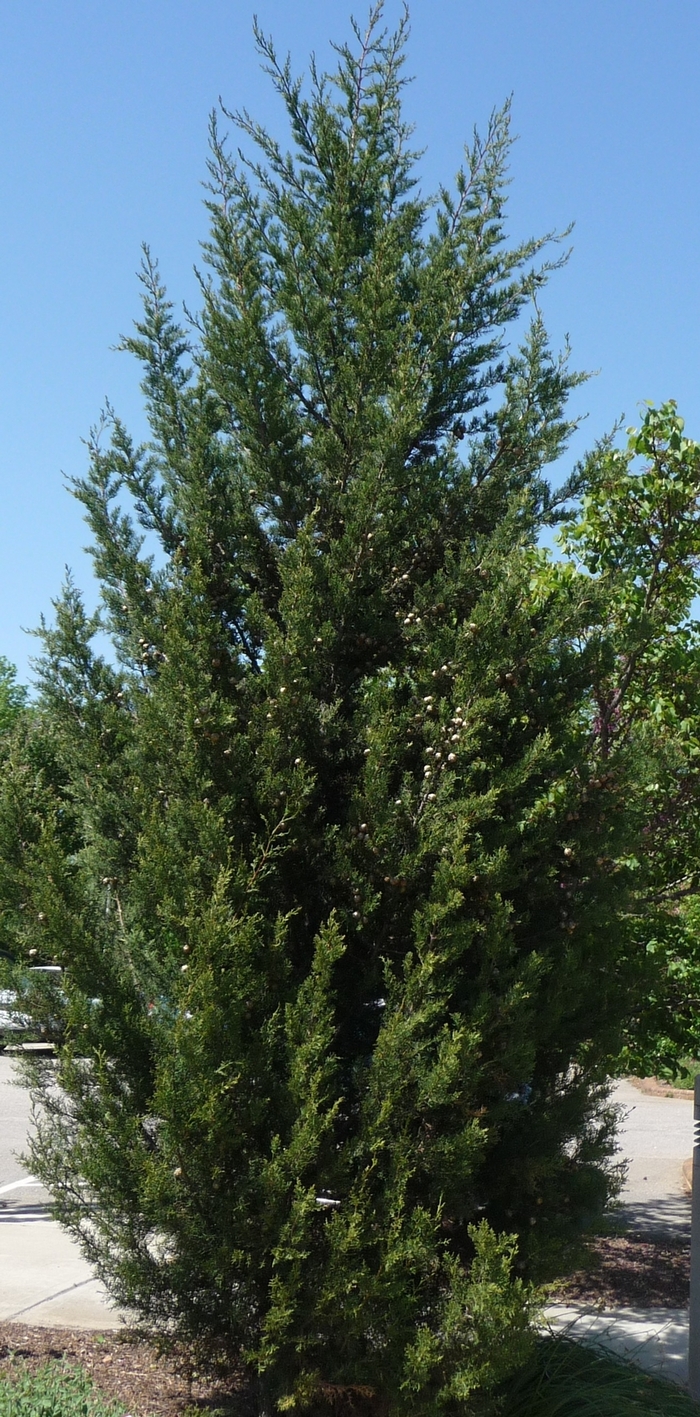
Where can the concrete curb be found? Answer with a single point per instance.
(13, 1049)
(656, 1087)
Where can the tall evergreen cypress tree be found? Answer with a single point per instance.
(13, 703)
(317, 850)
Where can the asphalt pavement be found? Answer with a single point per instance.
(655, 1138)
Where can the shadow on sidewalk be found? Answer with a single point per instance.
(667, 1215)
(13, 1215)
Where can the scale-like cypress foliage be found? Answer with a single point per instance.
(317, 848)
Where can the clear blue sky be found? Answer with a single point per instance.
(103, 109)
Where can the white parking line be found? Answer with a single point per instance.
(16, 1185)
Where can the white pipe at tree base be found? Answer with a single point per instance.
(694, 1316)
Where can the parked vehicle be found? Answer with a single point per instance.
(11, 1022)
(18, 1026)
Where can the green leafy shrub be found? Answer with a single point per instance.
(54, 1390)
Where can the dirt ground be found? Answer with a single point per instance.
(639, 1271)
(122, 1367)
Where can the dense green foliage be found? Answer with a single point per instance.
(342, 853)
(13, 696)
(638, 534)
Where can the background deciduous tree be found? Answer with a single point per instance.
(13, 696)
(637, 534)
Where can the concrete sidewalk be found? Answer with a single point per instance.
(43, 1276)
(656, 1137)
(655, 1339)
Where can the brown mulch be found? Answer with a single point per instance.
(638, 1271)
(123, 1368)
